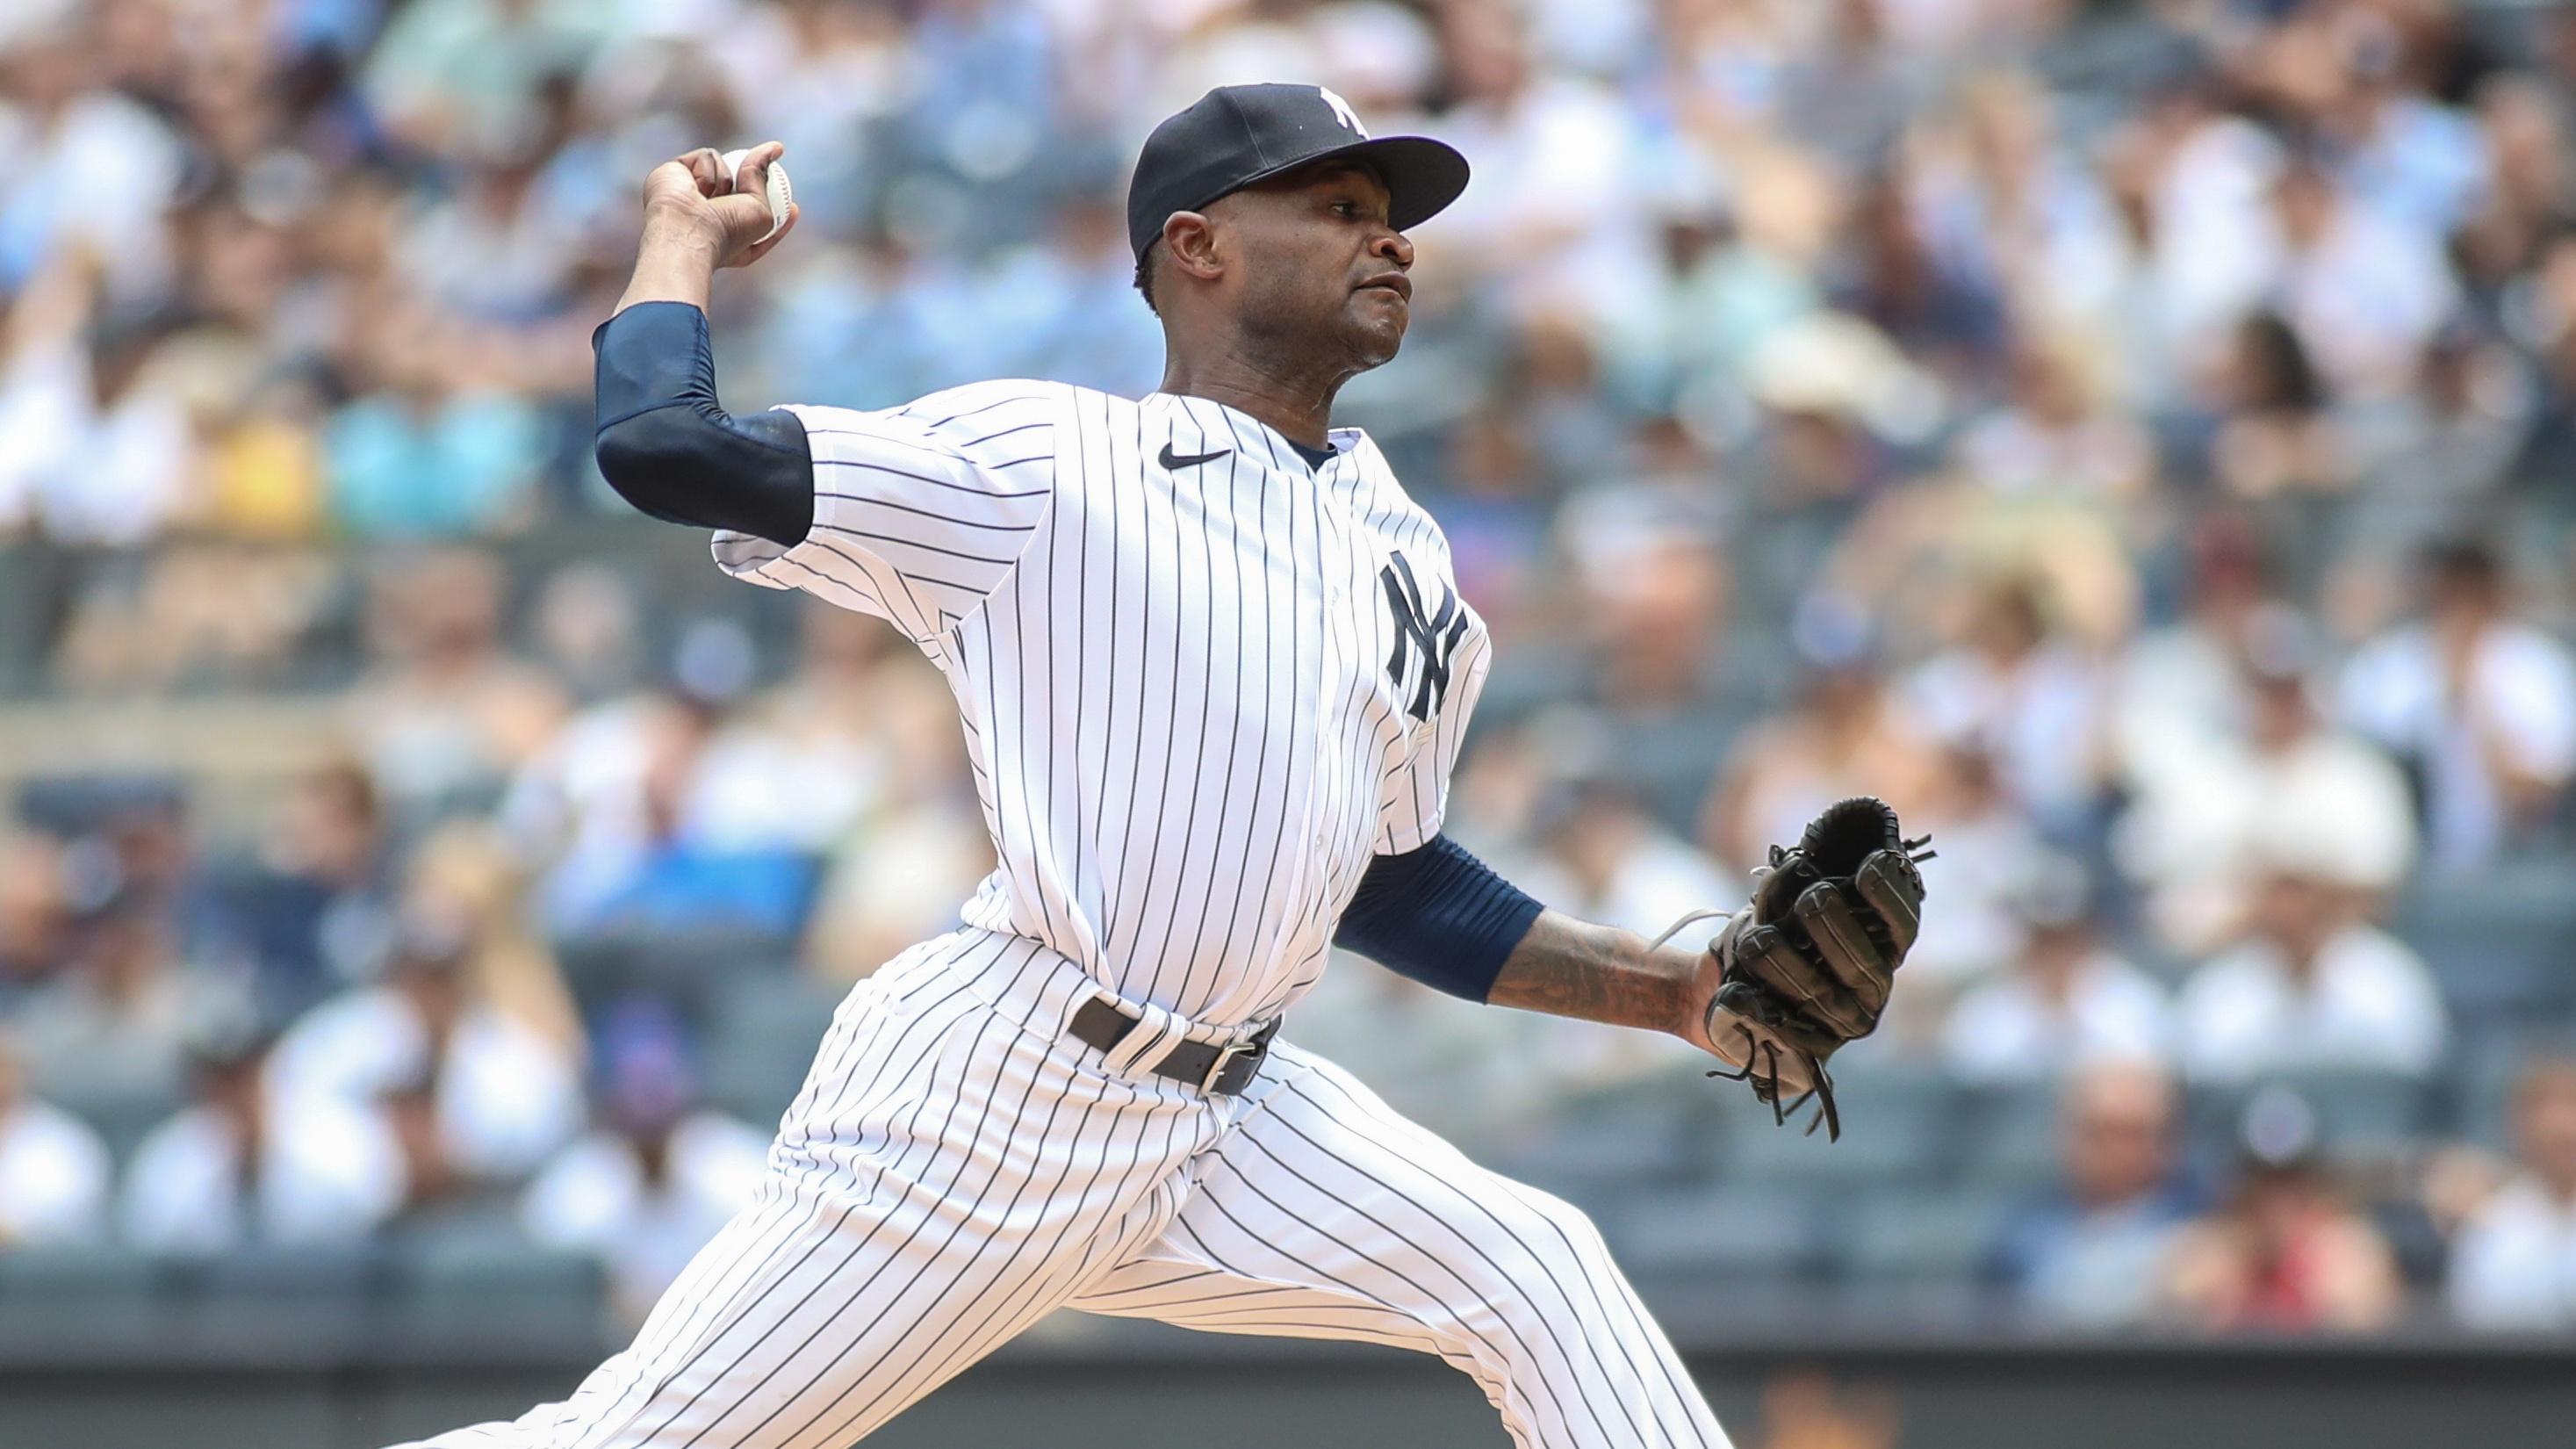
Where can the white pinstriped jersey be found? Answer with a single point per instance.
(1197, 697)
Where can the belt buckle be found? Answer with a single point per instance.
(1225, 1057)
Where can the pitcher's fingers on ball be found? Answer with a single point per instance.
(766, 244)
(706, 165)
(748, 168)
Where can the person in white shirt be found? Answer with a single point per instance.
(225, 1172)
(2267, 752)
(53, 1168)
(2514, 1264)
(2481, 704)
(657, 1179)
(2019, 689)
(505, 1095)
(2067, 999)
(2312, 984)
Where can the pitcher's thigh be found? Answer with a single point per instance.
(1326, 1214)
(969, 1186)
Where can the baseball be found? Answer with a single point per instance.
(779, 193)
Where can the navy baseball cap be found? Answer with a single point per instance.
(1236, 135)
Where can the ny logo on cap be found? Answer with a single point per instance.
(1342, 110)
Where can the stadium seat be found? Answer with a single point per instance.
(253, 1298)
(2011, 1134)
(1900, 1124)
(1916, 1256)
(2490, 1062)
(694, 970)
(1657, 1131)
(1756, 1252)
(761, 1037)
(2360, 1110)
(2502, 943)
(74, 1298)
(121, 1112)
(472, 1286)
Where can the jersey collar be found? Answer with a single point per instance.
(1256, 437)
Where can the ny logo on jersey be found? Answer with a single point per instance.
(1342, 110)
(1436, 634)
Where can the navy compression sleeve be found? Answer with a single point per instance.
(1438, 915)
(669, 448)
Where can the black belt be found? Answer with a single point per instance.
(1222, 1070)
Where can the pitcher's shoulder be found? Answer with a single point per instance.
(968, 399)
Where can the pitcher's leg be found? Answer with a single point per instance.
(1325, 1214)
(958, 1180)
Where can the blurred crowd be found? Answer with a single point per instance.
(2133, 437)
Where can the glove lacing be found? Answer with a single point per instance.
(1765, 1051)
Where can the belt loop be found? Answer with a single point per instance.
(1155, 1033)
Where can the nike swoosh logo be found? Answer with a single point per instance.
(1171, 460)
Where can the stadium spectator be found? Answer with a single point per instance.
(1988, 847)
(81, 138)
(464, 872)
(318, 910)
(2057, 434)
(2277, 434)
(2513, 1265)
(2019, 689)
(227, 1172)
(2312, 983)
(658, 856)
(2089, 1252)
(1844, 734)
(2363, 291)
(2284, 1253)
(1602, 855)
(658, 1176)
(2479, 704)
(98, 450)
(2065, 1000)
(470, 1089)
(118, 1016)
(53, 1168)
(35, 919)
(2435, 457)
(423, 457)
(1652, 590)
(901, 870)
(449, 73)
(2210, 789)
(445, 712)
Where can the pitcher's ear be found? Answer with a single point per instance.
(1192, 241)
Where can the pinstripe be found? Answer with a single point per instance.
(793, 1277)
(1010, 1128)
(1389, 1124)
(1341, 1217)
(811, 1283)
(1324, 1278)
(1193, 713)
(1601, 1370)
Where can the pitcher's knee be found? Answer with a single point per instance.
(1547, 1261)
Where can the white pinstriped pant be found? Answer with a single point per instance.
(956, 1168)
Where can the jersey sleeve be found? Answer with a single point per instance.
(920, 511)
(1416, 797)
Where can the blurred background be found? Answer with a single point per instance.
(2133, 436)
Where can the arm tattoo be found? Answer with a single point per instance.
(1565, 967)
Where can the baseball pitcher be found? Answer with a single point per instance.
(1212, 669)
